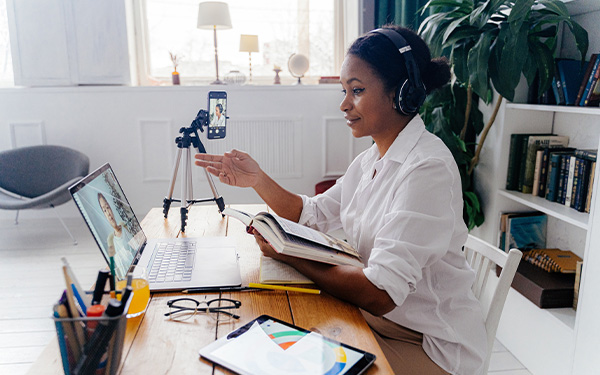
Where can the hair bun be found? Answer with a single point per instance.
(437, 74)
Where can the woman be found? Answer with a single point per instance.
(218, 118)
(400, 204)
(118, 240)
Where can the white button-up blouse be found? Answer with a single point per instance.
(403, 212)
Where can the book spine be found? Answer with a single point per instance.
(584, 176)
(587, 154)
(553, 172)
(576, 180)
(588, 72)
(587, 100)
(569, 183)
(558, 90)
(578, 269)
(588, 84)
(539, 154)
(524, 143)
(514, 161)
(544, 172)
(562, 177)
(588, 200)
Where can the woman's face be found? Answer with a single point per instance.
(108, 212)
(218, 111)
(367, 106)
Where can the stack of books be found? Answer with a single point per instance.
(543, 165)
(576, 83)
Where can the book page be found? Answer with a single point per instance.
(315, 236)
(275, 272)
(241, 216)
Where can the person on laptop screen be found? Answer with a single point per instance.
(119, 240)
(400, 205)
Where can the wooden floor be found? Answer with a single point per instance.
(31, 281)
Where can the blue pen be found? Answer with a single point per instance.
(61, 343)
(79, 300)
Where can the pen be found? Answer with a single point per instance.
(100, 284)
(286, 288)
(223, 289)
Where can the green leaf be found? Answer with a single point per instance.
(544, 59)
(477, 62)
(555, 6)
(452, 27)
(513, 55)
(581, 38)
(518, 14)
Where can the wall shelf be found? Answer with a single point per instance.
(555, 108)
(559, 211)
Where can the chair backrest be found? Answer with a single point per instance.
(483, 258)
(36, 170)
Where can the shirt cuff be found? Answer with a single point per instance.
(385, 280)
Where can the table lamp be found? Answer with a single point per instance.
(214, 15)
(249, 43)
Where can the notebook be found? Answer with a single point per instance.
(171, 264)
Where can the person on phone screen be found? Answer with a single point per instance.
(218, 118)
(119, 240)
(400, 205)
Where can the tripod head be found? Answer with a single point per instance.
(200, 121)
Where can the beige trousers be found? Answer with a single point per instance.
(403, 347)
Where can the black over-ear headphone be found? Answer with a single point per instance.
(410, 95)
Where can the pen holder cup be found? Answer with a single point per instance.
(91, 345)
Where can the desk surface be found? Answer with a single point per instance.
(156, 345)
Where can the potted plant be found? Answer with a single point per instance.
(490, 45)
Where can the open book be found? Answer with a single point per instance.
(290, 238)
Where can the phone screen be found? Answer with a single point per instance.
(217, 114)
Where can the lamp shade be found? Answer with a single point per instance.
(214, 14)
(248, 43)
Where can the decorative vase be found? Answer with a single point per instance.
(277, 80)
(235, 77)
(175, 77)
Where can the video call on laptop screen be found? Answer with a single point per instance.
(110, 218)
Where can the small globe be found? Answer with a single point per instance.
(298, 65)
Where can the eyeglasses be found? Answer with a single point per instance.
(185, 308)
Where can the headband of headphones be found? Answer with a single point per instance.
(410, 95)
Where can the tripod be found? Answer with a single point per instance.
(189, 137)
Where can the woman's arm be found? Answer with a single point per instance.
(237, 168)
(344, 282)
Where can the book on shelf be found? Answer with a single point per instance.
(554, 164)
(553, 260)
(544, 289)
(578, 269)
(593, 96)
(273, 271)
(569, 177)
(293, 239)
(590, 188)
(534, 143)
(570, 73)
(586, 79)
(559, 94)
(515, 156)
(587, 84)
(522, 230)
(563, 177)
(537, 172)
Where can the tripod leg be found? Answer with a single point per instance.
(185, 184)
(169, 198)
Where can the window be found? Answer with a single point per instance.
(6, 69)
(283, 27)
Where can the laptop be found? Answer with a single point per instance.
(172, 263)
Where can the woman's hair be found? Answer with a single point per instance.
(220, 106)
(388, 64)
(101, 196)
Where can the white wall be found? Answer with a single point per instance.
(297, 133)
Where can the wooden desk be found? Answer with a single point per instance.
(156, 345)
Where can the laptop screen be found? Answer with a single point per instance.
(110, 218)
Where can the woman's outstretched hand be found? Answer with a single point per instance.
(234, 168)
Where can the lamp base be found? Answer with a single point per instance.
(218, 82)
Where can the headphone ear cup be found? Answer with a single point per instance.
(410, 98)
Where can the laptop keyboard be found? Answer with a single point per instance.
(172, 262)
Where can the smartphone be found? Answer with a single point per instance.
(217, 114)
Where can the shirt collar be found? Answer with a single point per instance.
(402, 145)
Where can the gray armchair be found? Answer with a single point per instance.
(39, 177)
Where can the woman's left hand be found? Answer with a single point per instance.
(266, 248)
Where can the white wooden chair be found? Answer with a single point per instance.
(483, 258)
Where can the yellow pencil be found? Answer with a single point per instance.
(286, 288)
